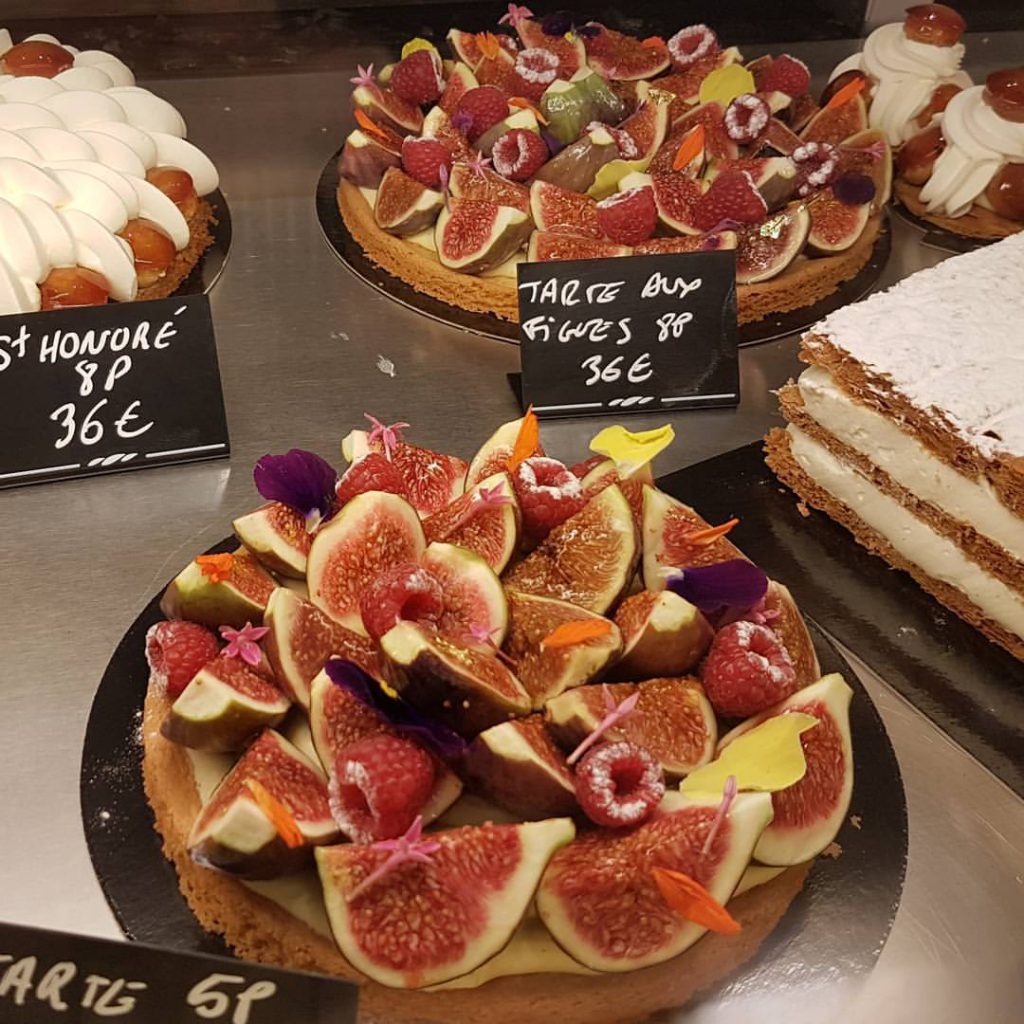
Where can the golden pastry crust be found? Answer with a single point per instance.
(977, 222)
(260, 930)
(803, 283)
(200, 226)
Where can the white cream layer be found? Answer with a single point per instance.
(910, 463)
(911, 537)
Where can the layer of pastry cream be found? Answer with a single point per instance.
(911, 537)
(973, 502)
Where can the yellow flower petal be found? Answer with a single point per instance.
(416, 44)
(630, 451)
(768, 758)
(723, 85)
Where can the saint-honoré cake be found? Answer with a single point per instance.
(100, 193)
(908, 428)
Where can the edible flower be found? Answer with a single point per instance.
(526, 442)
(369, 125)
(365, 76)
(416, 44)
(244, 643)
(847, 93)
(710, 534)
(728, 795)
(522, 103)
(733, 585)
(693, 902)
(216, 568)
(484, 635)
(516, 13)
(462, 121)
(408, 848)
(614, 714)
(489, 45)
(689, 149)
(477, 163)
(405, 719)
(388, 436)
(299, 479)
(576, 632)
(724, 84)
(630, 451)
(443, 176)
(280, 817)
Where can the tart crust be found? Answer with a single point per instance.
(977, 222)
(803, 283)
(258, 929)
(200, 239)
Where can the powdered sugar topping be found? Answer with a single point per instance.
(537, 65)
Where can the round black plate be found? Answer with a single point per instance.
(211, 264)
(351, 253)
(938, 238)
(835, 927)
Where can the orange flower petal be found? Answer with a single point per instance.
(526, 440)
(575, 632)
(711, 534)
(216, 568)
(521, 103)
(488, 43)
(691, 147)
(280, 817)
(847, 93)
(691, 900)
(369, 125)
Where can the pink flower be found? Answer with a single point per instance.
(243, 643)
(615, 713)
(388, 435)
(516, 13)
(728, 795)
(403, 850)
(365, 76)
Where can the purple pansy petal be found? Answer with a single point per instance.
(556, 24)
(854, 189)
(300, 479)
(735, 584)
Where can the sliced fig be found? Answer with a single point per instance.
(835, 226)
(547, 246)
(387, 108)
(712, 242)
(438, 125)
(223, 707)
(465, 46)
(775, 177)
(473, 235)
(546, 672)
(467, 182)
(302, 638)
(662, 635)
(556, 209)
(464, 686)
(638, 138)
(764, 250)
(469, 897)
(869, 153)
(599, 898)
(606, 473)
(785, 620)
(459, 80)
(673, 720)
(374, 532)
(777, 139)
(276, 534)
(800, 112)
(576, 166)
(233, 832)
(567, 48)
(809, 814)
(676, 195)
(404, 205)
(685, 84)
(518, 766)
(717, 144)
(365, 157)
(499, 71)
(235, 600)
(647, 127)
(476, 522)
(588, 560)
(621, 57)
(569, 106)
(473, 594)
(495, 452)
(834, 124)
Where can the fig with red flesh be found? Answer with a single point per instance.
(518, 766)
(869, 153)
(717, 144)
(599, 898)
(712, 242)
(647, 127)
(474, 235)
(662, 635)
(775, 177)
(464, 686)
(777, 139)
(234, 833)
(617, 56)
(469, 896)
(374, 532)
(547, 246)
(567, 47)
(473, 595)
(466, 48)
(576, 166)
(673, 720)
(834, 124)
(835, 226)
(606, 473)
(276, 534)
(438, 125)
(459, 80)
(223, 707)
(784, 618)
(467, 182)
(499, 71)
(386, 108)
(556, 209)
(404, 205)
(685, 84)
(765, 250)
(495, 452)
(675, 196)
(365, 157)
(546, 672)
(809, 814)
(588, 560)
(238, 598)
(302, 638)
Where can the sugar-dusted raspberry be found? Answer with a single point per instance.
(619, 784)
(519, 154)
(692, 44)
(548, 494)
(747, 670)
(788, 75)
(536, 69)
(378, 787)
(417, 78)
(480, 109)
(624, 142)
(936, 24)
(817, 164)
(423, 159)
(628, 217)
(406, 592)
(746, 118)
(176, 651)
(733, 197)
(373, 472)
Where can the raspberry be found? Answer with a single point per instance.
(480, 109)
(536, 69)
(788, 75)
(619, 784)
(581, 469)
(424, 158)
(378, 786)
(746, 118)
(747, 670)
(733, 196)
(373, 472)
(417, 78)
(624, 142)
(817, 165)
(548, 495)
(628, 217)
(692, 44)
(519, 154)
(176, 651)
(404, 592)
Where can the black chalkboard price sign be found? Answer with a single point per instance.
(108, 388)
(629, 334)
(71, 979)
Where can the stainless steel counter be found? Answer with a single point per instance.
(299, 340)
